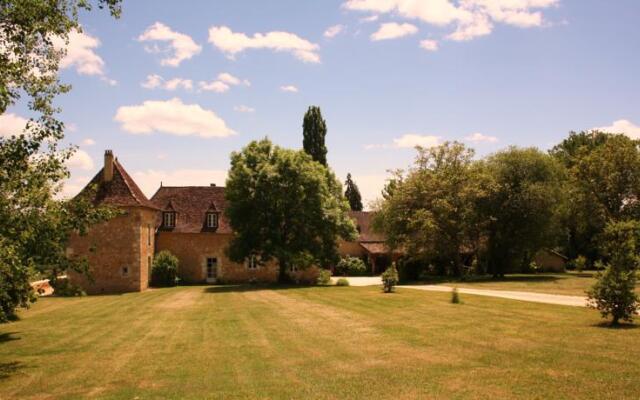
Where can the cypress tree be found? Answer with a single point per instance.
(314, 129)
(352, 193)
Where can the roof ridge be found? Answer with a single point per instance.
(132, 186)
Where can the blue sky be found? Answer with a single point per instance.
(388, 75)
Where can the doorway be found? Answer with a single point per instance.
(211, 269)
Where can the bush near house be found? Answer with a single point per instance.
(342, 282)
(165, 269)
(324, 277)
(352, 266)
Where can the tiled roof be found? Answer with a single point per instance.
(378, 248)
(120, 191)
(191, 204)
(363, 220)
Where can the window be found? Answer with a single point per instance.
(212, 267)
(252, 262)
(125, 271)
(293, 268)
(169, 219)
(212, 220)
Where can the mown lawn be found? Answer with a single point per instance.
(570, 283)
(328, 343)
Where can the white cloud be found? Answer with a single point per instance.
(333, 31)
(176, 83)
(215, 86)
(88, 142)
(371, 18)
(429, 44)
(479, 137)
(80, 53)
(470, 18)
(156, 81)
(392, 30)
(182, 47)
(480, 25)
(232, 43)
(172, 117)
(152, 82)
(622, 126)
(11, 124)
(223, 83)
(109, 81)
(244, 109)
(81, 160)
(410, 140)
(149, 180)
(289, 88)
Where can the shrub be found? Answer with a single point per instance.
(390, 278)
(350, 266)
(580, 263)
(455, 297)
(165, 269)
(342, 282)
(64, 288)
(613, 293)
(324, 277)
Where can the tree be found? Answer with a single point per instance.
(284, 206)
(314, 130)
(614, 292)
(352, 193)
(603, 183)
(521, 207)
(35, 225)
(431, 212)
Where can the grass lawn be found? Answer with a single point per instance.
(323, 342)
(570, 283)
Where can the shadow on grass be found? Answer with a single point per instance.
(257, 287)
(8, 337)
(620, 326)
(9, 368)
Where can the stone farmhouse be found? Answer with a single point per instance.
(189, 221)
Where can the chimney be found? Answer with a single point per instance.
(107, 174)
(212, 184)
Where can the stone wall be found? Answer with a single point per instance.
(117, 251)
(193, 249)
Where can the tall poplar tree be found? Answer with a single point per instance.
(314, 129)
(352, 193)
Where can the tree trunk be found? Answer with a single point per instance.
(283, 277)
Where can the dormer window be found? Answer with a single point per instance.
(169, 219)
(212, 220)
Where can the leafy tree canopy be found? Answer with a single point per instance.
(284, 206)
(430, 211)
(522, 207)
(35, 227)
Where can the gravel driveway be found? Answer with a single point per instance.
(575, 301)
